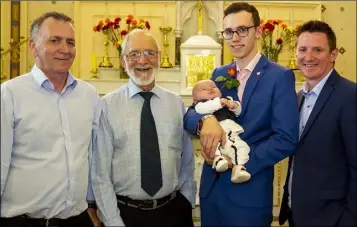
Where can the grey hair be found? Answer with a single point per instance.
(132, 33)
(36, 24)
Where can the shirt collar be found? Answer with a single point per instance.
(317, 89)
(134, 89)
(41, 78)
(251, 65)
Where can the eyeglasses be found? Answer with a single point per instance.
(242, 31)
(135, 55)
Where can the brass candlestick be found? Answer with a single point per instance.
(3, 76)
(95, 74)
(105, 62)
(199, 18)
(292, 60)
(165, 63)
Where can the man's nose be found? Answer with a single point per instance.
(64, 47)
(309, 55)
(142, 59)
(235, 36)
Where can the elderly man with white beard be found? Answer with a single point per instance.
(143, 162)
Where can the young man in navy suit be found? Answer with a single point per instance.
(321, 183)
(269, 118)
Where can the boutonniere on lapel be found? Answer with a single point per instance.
(229, 79)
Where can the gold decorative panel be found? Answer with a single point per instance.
(199, 67)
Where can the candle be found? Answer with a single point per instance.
(165, 16)
(94, 62)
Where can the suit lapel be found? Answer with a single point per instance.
(301, 100)
(254, 77)
(321, 101)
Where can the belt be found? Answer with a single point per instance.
(146, 204)
(54, 222)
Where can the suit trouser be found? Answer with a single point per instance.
(217, 209)
(82, 220)
(290, 219)
(178, 212)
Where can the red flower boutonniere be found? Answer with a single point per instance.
(230, 80)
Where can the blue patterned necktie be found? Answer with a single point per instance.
(151, 176)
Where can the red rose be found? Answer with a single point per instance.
(123, 33)
(279, 41)
(269, 27)
(128, 21)
(117, 20)
(116, 26)
(232, 72)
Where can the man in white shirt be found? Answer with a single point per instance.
(47, 118)
(143, 163)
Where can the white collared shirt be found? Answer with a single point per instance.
(45, 137)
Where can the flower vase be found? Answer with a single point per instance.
(274, 58)
(122, 72)
(271, 56)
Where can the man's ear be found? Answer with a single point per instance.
(122, 61)
(333, 55)
(32, 46)
(258, 32)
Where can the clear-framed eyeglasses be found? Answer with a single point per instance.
(241, 31)
(148, 54)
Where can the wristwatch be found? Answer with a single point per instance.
(206, 117)
(200, 123)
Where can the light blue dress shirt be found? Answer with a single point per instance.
(306, 109)
(45, 138)
(116, 163)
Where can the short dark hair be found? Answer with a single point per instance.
(243, 6)
(319, 26)
(36, 24)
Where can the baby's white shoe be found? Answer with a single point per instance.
(239, 174)
(220, 164)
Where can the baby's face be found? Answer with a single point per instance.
(207, 90)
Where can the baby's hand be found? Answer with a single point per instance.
(224, 101)
(229, 103)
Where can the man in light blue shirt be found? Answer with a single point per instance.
(47, 119)
(121, 156)
(321, 181)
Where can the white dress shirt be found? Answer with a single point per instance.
(117, 163)
(45, 137)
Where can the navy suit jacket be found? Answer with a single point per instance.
(324, 182)
(269, 118)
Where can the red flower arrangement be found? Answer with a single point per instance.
(275, 35)
(230, 79)
(113, 31)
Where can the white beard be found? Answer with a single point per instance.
(140, 81)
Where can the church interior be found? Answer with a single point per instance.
(190, 38)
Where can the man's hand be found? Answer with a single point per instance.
(210, 135)
(94, 217)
